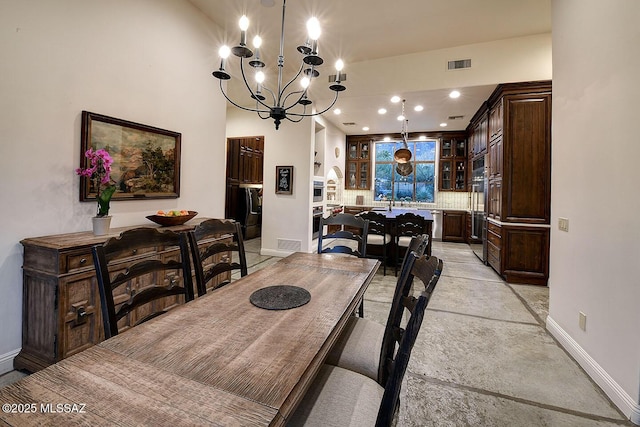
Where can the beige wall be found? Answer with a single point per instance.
(595, 267)
(147, 61)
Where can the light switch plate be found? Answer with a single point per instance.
(563, 224)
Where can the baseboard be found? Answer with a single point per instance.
(275, 252)
(612, 389)
(6, 361)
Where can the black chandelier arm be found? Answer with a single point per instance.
(302, 92)
(253, 110)
(296, 121)
(283, 90)
(246, 83)
(335, 98)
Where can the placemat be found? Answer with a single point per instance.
(280, 297)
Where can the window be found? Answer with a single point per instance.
(418, 186)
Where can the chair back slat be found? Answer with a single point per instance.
(146, 282)
(351, 228)
(208, 262)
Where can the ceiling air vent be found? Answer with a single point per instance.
(456, 117)
(349, 123)
(459, 64)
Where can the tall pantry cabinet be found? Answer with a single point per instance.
(519, 181)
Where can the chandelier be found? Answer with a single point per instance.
(283, 100)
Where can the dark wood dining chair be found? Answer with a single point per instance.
(140, 289)
(213, 263)
(353, 348)
(349, 236)
(378, 237)
(408, 225)
(338, 395)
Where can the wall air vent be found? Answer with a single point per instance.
(459, 64)
(349, 123)
(456, 117)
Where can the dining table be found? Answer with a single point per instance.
(222, 359)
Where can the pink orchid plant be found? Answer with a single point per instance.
(99, 171)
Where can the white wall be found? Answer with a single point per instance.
(284, 217)
(595, 267)
(147, 61)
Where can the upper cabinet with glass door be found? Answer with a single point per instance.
(453, 164)
(358, 163)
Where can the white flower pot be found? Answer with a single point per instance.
(101, 225)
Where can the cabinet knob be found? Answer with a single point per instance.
(83, 261)
(81, 315)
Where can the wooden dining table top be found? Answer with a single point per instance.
(217, 360)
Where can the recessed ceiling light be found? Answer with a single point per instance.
(337, 111)
(366, 128)
(454, 94)
(401, 118)
(395, 98)
(422, 137)
(382, 111)
(386, 139)
(418, 108)
(443, 125)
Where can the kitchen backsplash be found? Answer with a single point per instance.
(444, 200)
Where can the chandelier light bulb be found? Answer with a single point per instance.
(313, 27)
(305, 82)
(224, 52)
(257, 42)
(244, 23)
(260, 77)
(339, 65)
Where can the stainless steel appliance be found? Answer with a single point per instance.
(249, 210)
(479, 188)
(316, 212)
(318, 190)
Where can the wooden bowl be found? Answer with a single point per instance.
(167, 221)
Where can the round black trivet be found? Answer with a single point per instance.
(280, 297)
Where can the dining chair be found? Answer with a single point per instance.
(377, 236)
(346, 234)
(212, 260)
(352, 350)
(349, 238)
(140, 289)
(408, 225)
(340, 397)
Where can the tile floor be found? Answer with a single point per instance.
(483, 356)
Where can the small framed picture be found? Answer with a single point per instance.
(284, 179)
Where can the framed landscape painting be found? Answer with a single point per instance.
(146, 160)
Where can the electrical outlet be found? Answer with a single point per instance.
(582, 321)
(563, 224)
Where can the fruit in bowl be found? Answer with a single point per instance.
(172, 213)
(172, 217)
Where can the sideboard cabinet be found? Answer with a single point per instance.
(61, 313)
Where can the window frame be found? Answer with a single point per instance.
(412, 146)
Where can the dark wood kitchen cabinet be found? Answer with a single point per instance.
(358, 163)
(61, 304)
(519, 181)
(245, 159)
(453, 164)
(454, 226)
